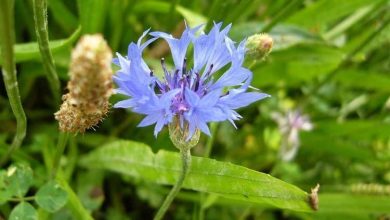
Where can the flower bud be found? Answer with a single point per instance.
(259, 46)
(179, 135)
(90, 86)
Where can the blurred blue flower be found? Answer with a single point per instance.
(193, 95)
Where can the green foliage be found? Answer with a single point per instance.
(330, 60)
(51, 197)
(18, 179)
(30, 51)
(206, 175)
(23, 210)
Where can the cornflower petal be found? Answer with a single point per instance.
(178, 46)
(239, 99)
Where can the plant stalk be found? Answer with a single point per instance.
(7, 39)
(40, 21)
(61, 144)
(186, 163)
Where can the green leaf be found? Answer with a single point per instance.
(357, 129)
(317, 144)
(5, 194)
(354, 203)
(62, 15)
(23, 211)
(193, 19)
(367, 79)
(30, 51)
(18, 179)
(51, 197)
(206, 175)
(325, 11)
(297, 64)
(92, 15)
(151, 6)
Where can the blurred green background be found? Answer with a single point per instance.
(330, 61)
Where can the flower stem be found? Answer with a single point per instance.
(28, 198)
(61, 144)
(40, 20)
(7, 39)
(74, 204)
(186, 163)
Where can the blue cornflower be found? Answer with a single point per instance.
(192, 95)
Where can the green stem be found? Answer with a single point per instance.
(72, 157)
(74, 203)
(7, 39)
(186, 163)
(40, 20)
(28, 198)
(61, 144)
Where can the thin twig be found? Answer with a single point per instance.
(61, 144)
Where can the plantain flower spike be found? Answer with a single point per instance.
(90, 86)
(259, 46)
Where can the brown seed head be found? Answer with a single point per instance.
(90, 85)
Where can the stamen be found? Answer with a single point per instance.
(197, 81)
(209, 71)
(175, 81)
(164, 67)
(184, 70)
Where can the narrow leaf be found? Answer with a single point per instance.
(359, 204)
(193, 19)
(325, 11)
(284, 36)
(92, 15)
(29, 51)
(206, 175)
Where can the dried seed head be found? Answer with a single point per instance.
(313, 197)
(90, 85)
(259, 46)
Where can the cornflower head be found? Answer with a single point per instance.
(187, 98)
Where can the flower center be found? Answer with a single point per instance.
(184, 79)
